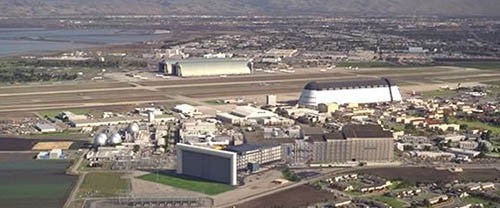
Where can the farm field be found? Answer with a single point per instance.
(301, 196)
(103, 185)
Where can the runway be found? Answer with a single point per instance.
(73, 94)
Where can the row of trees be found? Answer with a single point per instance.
(92, 63)
(29, 75)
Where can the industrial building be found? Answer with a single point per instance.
(354, 91)
(250, 155)
(246, 115)
(117, 120)
(363, 143)
(186, 109)
(45, 128)
(205, 67)
(207, 163)
(53, 154)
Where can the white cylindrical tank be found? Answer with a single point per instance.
(115, 138)
(133, 128)
(100, 139)
(151, 116)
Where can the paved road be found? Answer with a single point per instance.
(81, 175)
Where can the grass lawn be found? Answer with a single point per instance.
(493, 154)
(188, 183)
(366, 64)
(476, 200)
(214, 102)
(399, 185)
(356, 184)
(397, 127)
(477, 65)
(60, 135)
(103, 185)
(54, 113)
(395, 203)
(492, 83)
(438, 93)
(476, 124)
(354, 193)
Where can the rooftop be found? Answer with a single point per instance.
(365, 131)
(44, 126)
(325, 137)
(243, 148)
(320, 85)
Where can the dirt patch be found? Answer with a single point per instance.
(301, 196)
(52, 145)
(481, 175)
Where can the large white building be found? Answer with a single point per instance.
(244, 115)
(354, 91)
(206, 67)
(250, 153)
(207, 163)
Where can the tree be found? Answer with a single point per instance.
(136, 148)
(464, 126)
(486, 135)
(446, 118)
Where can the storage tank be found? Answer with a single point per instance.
(100, 139)
(133, 128)
(114, 139)
(151, 116)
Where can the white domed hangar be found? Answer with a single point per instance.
(353, 91)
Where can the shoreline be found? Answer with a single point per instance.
(78, 44)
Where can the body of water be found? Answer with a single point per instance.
(16, 41)
(28, 183)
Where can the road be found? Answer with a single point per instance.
(81, 176)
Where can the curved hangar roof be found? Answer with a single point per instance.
(325, 85)
(211, 67)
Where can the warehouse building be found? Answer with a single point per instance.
(251, 156)
(45, 128)
(247, 115)
(363, 143)
(206, 67)
(354, 91)
(207, 163)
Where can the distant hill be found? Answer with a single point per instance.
(251, 7)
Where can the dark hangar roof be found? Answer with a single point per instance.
(243, 148)
(315, 85)
(365, 131)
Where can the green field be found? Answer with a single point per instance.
(54, 113)
(492, 83)
(397, 127)
(103, 185)
(477, 65)
(214, 102)
(399, 185)
(192, 184)
(476, 200)
(66, 134)
(367, 64)
(393, 202)
(476, 124)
